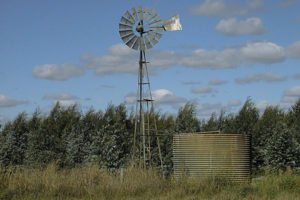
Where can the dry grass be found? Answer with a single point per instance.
(92, 183)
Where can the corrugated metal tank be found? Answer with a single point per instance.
(211, 155)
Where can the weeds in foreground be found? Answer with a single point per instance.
(92, 182)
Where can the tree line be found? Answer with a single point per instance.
(71, 138)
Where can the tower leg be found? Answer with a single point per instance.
(139, 130)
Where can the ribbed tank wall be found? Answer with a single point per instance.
(211, 155)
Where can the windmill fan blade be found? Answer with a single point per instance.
(157, 35)
(173, 24)
(126, 21)
(157, 29)
(126, 32)
(140, 27)
(153, 18)
(142, 44)
(128, 15)
(134, 14)
(140, 12)
(159, 22)
(127, 37)
(150, 15)
(131, 41)
(136, 44)
(152, 39)
(147, 42)
(125, 27)
(145, 12)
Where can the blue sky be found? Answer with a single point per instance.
(71, 51)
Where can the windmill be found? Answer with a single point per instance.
(139, 29)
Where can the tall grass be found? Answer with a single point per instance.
(91, 182)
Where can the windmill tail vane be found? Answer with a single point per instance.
(172, 24)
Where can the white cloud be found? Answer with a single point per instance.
(107, 86)
(121, 59)
(65, 103)
(167, 97)
(231, 57)
(130, 98)
(187, 46)
(261, 105)
(294, 50)
(221, 8)
(217, 81)
(297, 76)
(213, 59)
(234, 103)
(231, 26)
(206, 109)
(263, 52)
(61, 96)
(268, 77)
(292, 92)
(290, 96)
(57, 71)
(3, 119)
(161, 97)
(64, 99)
(191, 82)
(6, 101)
(203, 89)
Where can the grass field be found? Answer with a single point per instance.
(92, 183)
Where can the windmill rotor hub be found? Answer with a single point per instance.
(140, 27)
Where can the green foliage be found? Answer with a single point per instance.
(213, 124)
(71, 138)
(229, 124)
(293, 118)
(223, 123)
(14, 141)
(166, 125)
(111, 144)
(186, 121)
(282, 150)
(261, 136)
(246, 118)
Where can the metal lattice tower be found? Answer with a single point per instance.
(139, 29)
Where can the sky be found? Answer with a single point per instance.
(71, 51)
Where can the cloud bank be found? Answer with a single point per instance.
(161, 97)
(203, 89)
(121, 59)
(206, 109)
(267, 77)
(58, 72)
(232, 27)
(6, 101)
(225, 9)
(217, 81)
(290, 96)
(64, 99)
